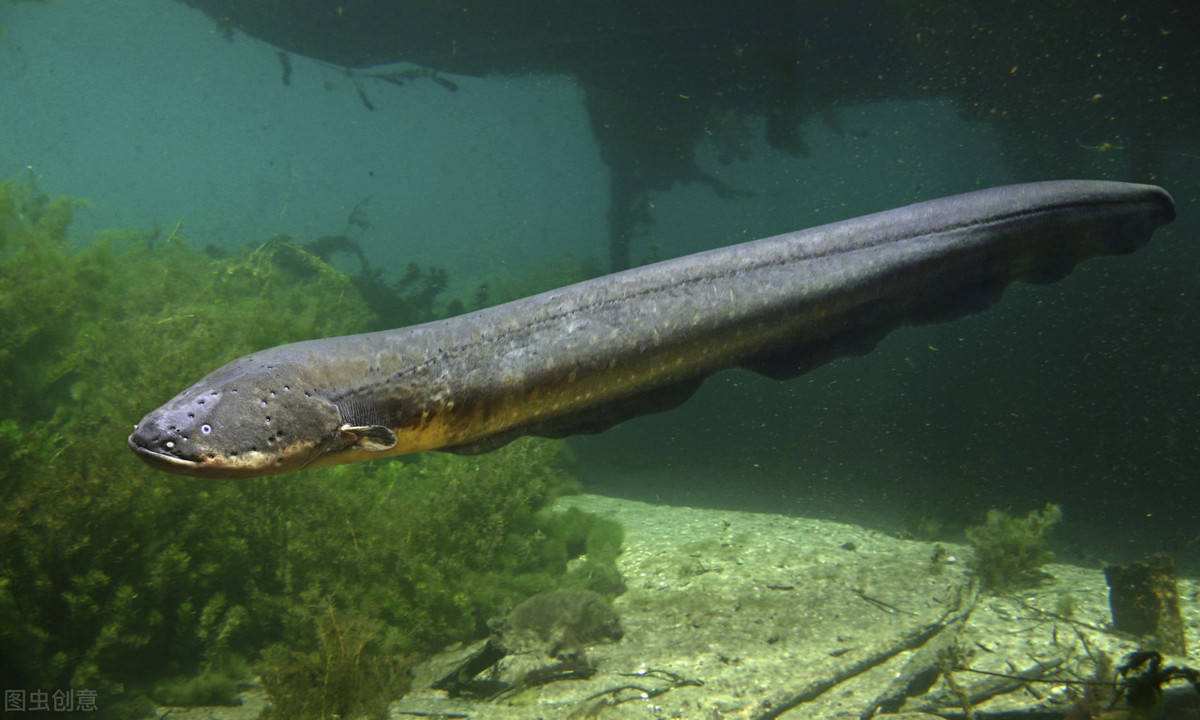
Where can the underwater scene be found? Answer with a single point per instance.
(379, 360)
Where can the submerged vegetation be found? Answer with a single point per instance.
(1010, 551)
(136, 584)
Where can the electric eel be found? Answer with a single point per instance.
(585, 357)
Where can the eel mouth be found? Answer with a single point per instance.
(161, 460)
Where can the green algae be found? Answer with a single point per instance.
(354, 669)
(1009, 551)
(125, 581)
(211, 687)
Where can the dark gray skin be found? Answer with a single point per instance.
(585, 357)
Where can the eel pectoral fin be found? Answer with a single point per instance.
(372, 438)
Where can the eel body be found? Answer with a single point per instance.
(587, 356)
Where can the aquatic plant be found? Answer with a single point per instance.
(118, 579)
(409, 299)
(592, 540)
(211, 687)
(113, 575)
(1009, 551)
(353, 669)
(424, 553)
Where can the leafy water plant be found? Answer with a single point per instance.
(595, 542)
(1010, 551)
(122, 580)
(352, 667)
(210, 687)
